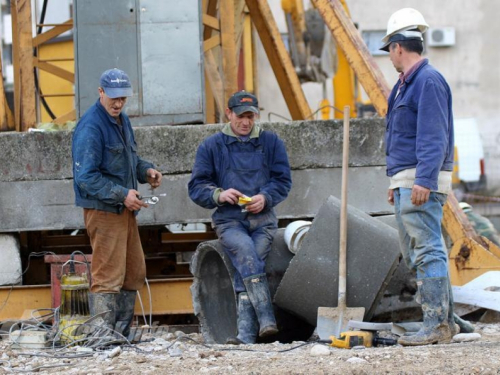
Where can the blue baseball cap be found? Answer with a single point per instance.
(115, 83)
(242, 102)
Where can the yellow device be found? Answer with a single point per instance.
(244, 200)
(350, 339)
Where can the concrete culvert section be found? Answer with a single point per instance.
(311, 280)
(214, 299)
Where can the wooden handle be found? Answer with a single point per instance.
(343, 213)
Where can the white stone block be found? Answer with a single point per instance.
(10, 260)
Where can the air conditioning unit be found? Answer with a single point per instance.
(440, 36)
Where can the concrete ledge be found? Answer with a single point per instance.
(310, 144)
(45, 205)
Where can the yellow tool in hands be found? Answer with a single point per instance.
(350, 339)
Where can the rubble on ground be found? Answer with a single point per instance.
(188, 354)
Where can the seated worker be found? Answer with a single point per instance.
(242, 160)
(481, 224)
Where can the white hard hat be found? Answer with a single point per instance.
(408, 22)
(465, 206)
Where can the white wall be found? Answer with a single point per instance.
(472, 66)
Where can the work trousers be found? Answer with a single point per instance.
(420, 233)
(248, 243)
(117, 255)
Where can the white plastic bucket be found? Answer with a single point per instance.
(295, 233)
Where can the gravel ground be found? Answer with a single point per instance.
(167, 354)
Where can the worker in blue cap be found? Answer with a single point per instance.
(106, 170)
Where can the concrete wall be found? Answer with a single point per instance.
(471, 66)
(37, 186)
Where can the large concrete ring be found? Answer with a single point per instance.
(214, 299)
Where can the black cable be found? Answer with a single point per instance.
(35, 53)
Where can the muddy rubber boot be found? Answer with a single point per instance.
(260, 297)
(454, 328)
(248, 326)
(435, 306)
(125, 302)
(103, 305)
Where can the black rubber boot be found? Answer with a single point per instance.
(103, 305)
(258, 292)
(248, 326)
(454, 328)
(435, 307)
(125, 303)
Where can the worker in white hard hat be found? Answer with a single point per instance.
(419, 152)
(482, 225)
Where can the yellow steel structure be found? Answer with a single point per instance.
(356, 52)
(58, 92)
(471, 255)
(344, 82)
(168, 296)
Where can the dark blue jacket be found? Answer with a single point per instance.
(419, 130)
(105, 161)
(258, 166)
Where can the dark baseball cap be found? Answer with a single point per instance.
(115, 83)
(242, 102)
(402, 36)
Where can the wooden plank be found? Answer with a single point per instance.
(211, 10)
(6, 117)
(211, 43)
(210, 21)
(55, 70)
(248, 54)
(279, 59)
(52, 33)
(16, 66)
(349, 40)
(69, 116)
(215, 81)
(228, 41)
(22, 34)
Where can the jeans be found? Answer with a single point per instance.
(248, 243)
(420, 233)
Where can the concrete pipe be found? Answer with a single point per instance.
(214, 299)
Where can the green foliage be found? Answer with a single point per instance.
(50, 126)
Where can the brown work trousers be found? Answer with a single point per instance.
(117, 256)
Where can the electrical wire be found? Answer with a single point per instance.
(142, 308)
(150, 305)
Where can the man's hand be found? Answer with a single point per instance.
(153, 177)
(419, 195)
(132, 202)
(257, 204)
(390, 197)
(230, 196)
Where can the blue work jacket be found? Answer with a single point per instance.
(419, 131)
(105, 161)
(257, 166)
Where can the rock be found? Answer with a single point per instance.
(84, 349)
(170, 336)
(466, 337)
(114, 352)
(179, 334)
(319, 351)
(175, 352)
(141, 360)
(356, 360)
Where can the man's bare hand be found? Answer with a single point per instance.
(230, 196)
(132, 202)
(153, 177)
(419, 195)
(257, 204)
(390, 197)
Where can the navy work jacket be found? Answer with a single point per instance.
(257, 166)
(419, 131)
(105, 161)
